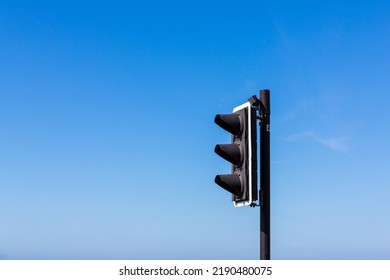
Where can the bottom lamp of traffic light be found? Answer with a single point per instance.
(230, 182)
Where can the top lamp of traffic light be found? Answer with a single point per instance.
(241, 153)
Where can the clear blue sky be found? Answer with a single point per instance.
(107, 133)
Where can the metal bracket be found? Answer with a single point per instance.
(254, 101)
(253, 204)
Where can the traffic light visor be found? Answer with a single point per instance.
(230, 182)
(230, 152)
(229, 122)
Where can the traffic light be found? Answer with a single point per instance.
(241, 153)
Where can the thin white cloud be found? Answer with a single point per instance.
(335, 143)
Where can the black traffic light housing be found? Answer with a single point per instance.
(241, 153)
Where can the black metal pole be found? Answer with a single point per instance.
(265, 215)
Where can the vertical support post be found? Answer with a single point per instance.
(265, 215)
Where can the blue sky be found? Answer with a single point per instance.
(107, 133)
